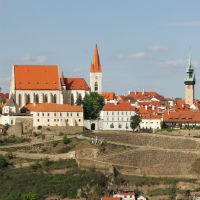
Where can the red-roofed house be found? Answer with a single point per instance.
(73, 88)
(126, 195)
(117, 116)
(109, 97)
(52, 114)
(35, 84)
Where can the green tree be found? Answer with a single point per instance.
(79, 101)
(29, 196)
(135, 121)
(66, 140)
(92, 105)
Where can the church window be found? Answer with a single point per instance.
(71, 114)
(54, 114)
(61, 114)
(72, 99)
(42, 114)
(96, 86)
(20, 99)
(54, 120)
(77, 114)
(38, 114)
(36, 98)
(79, 120)
(54, 98)
(67, 114)
(107, 113)
(45, 98)
(112, 113)
(38, 120)
(48, 114)
(48, 120)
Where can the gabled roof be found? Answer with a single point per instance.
(36, 77)
(184, 116)
(75, 84)
(119, 107)
(51, 107)
(95, 66)
(108, 95)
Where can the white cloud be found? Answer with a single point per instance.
(4, 79)
(178, 63)
(191, 23)
(76, 70)
(29, 59)
(158, 48)
(138, 55)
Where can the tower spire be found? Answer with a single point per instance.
(95, 66)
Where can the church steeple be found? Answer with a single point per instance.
(95, 66)
(96, 73)
(189, 81)
(190, 76)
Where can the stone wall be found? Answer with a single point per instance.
(55, 130)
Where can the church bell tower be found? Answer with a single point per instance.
(189, 84)
(96, 73)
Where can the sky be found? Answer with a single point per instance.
(143, 44)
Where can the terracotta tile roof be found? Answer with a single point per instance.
(110, 198)
(127, 193)
(75, 84)
(108, 95)
(184, 116)
(147, 116)
(146, 95)
(95, 66)
(119, 107)
(6, 95)
(36, 77)
(51, 107)
(1, 126)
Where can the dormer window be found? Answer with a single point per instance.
(20, 82)
(46, 83)
(29, 83)
(37, 83)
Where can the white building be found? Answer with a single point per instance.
(117, 116)
(126, 195)
(151, 122)
(35, 84)
(51, 114)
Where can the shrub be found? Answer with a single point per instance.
(61, 134)
(29, 196)
(66, 140)
(112, 125)
(3, 162)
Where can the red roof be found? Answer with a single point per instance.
(95, 66)
(119, 107)
(108, 95)
(146, 95)
(51, 107)
(127, 193)
(75, 84)
(36, 77)
(184, 116)
(6, 95)
(110, 198)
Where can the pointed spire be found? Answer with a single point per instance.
(62, 79)
(95, 66)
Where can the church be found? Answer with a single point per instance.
(43, 84)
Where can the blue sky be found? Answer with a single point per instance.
(143, 44)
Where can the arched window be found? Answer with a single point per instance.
(72, 99)
(28, 99)
(36, 98)
(54, 98)
(51, 98)
(45, 98)
(20, 100)
(96, 86)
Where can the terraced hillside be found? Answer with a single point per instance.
(155, 155)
